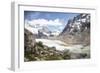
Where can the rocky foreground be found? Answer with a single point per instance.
(41, 52)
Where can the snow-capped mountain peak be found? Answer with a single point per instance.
(78, 24)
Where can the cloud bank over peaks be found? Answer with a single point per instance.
(44, 22)
(52, 25)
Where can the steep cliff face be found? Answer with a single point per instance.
(78, 24)
(77, 30)
(29, 40)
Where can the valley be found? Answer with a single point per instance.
(73, 42)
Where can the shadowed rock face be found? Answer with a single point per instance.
(77, 30)
(29, 40)
(78, 24)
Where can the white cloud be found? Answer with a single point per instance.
(36, 24)
(44, 22)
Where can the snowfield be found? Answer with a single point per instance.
(60, 45)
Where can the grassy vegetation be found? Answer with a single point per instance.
(40, 52)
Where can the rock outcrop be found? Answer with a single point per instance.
(29, 40)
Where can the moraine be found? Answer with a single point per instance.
(60, 45)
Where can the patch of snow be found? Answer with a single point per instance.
(31, 29)
(83, 20)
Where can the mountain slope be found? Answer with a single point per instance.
(29, 40)
(79, 23)
(77, 30)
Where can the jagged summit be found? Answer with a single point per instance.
(78, 24)
(77, 30)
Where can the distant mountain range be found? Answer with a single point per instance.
(41, 32)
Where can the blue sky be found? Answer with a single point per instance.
(54, 20)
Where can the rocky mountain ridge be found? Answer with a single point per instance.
(79, 23)
(77, 30)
